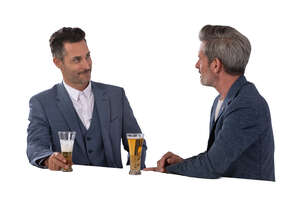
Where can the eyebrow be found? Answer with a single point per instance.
(76, 58)
(79, 57)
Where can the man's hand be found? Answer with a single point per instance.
(168, 159)
(56, 162)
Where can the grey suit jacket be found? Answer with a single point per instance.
(241, 140)
(52, 111)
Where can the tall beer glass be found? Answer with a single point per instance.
(66, 139)
(135, 142)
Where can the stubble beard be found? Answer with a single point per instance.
(205, 81)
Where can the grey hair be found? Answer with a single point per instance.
(228, 45)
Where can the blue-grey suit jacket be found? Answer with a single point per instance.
(241, 140)
(52, 111)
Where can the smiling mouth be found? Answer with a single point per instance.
(84, 72)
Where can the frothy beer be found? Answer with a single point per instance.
(66, 144)
(135, 143)
(68, 157)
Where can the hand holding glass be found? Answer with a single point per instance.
(66, 139)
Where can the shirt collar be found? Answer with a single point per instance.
(74, 93)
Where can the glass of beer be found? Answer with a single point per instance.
(135, 142)
(66, 139)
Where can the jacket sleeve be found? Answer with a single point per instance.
(130, 125)
(38, 134)
(241, 128)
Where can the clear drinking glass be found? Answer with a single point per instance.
(135, 142)
(66, 139)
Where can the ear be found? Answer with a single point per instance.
(58, 62)
(216, 66)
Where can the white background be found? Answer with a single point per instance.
(149, 48)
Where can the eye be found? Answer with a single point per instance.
(76, 59)
(88, 56)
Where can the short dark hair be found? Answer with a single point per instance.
(63, 35)
(228, 45)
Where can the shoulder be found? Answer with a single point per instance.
(249, 98)
(45, 95)
(249, 94)
(108, 89)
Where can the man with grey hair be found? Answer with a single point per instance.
(241, 140)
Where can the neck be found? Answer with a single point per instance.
(224, 84)
(78, 86)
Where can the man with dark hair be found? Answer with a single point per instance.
(99, 113)
(241, 140)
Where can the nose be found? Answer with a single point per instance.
(86, 64)
(197, 66)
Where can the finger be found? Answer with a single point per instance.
(150, 169)
(56, 167)
(162, 162)
(172, 160)
(154, 169)
(60, 157)
(56, 161)
(52, 166)
(167, 155)
(158, 163)
(59, 164)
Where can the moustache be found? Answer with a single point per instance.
(86, 71)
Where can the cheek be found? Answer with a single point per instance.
(71, 72)
(201, 67)
(74, 68)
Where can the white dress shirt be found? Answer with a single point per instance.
(218, 108)
(83, 102)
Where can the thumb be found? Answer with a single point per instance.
(172, 160)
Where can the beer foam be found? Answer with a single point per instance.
(135, 136)
(66, 145)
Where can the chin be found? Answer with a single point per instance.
(205, 83)
(86, 80)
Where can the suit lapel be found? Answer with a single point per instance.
(236, 86)
(212, 124)
(212, 116)
(65, 105)
(103, 108)
(230, 95)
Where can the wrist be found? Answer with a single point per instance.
(46, 162)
